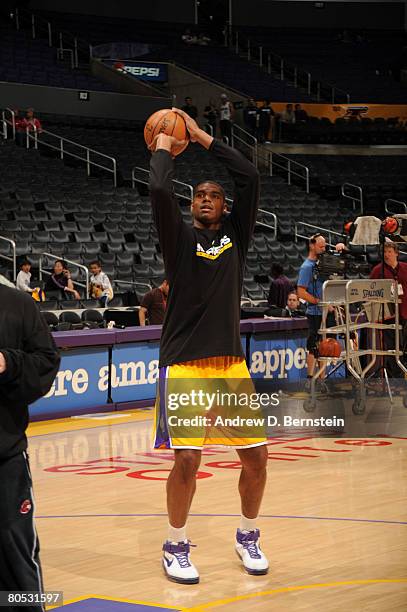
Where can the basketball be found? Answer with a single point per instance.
(165, 121)
(390, 225)
(329, 348)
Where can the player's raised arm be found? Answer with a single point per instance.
(167, 215)
(244, 174)
(246, 180)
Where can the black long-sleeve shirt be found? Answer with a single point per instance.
(32, 362)
(204, 267)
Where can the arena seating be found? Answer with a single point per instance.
(23, 60)
(366, 131)
(47, 206)
(364, 68)
(288, 202)
(219, 64)
(381, 177)
(213, 61)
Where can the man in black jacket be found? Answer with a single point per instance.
(200, 338)
(29, 362)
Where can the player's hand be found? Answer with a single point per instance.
(163, 141)
(192, 126)
(340, 247)
(196, 134)
(3, 365)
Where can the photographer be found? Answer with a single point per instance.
(309, 289)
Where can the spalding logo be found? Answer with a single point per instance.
(26, 506)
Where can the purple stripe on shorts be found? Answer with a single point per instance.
(162, 438)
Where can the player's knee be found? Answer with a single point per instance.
(187, 462)
(254, 459)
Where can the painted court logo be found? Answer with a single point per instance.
(26, 506)
(215, 250)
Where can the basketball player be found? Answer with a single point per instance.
(29, 362)
(201, 331)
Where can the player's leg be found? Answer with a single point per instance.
(181, 486)
(251, 488)
(311, 345)
(20, 568)
(314, 324)
(252, 478)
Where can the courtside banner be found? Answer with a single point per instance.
(279, 358)
(82, 382)
(144, 71)
(134, 371)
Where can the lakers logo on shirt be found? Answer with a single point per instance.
(214, 251)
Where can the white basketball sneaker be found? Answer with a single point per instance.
(177, 565)
(248, 548)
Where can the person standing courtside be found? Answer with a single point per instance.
(29, 362)
(309, 289)
(396, 270)
(200, 338)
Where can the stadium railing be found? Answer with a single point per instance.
(243, 137)
(144, 179)
(11, 120)
(270, 159)
(273, 62)
(355, 199)
(312, 228)
(269, 220)
(389, 203)
(44, 136)
(40, 28)
(62, 145)
(13, 258)
(289, 166)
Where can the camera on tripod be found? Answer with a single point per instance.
(340, 265)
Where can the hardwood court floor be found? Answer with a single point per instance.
(333, 523)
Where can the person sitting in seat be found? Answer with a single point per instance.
(280, 286)
(61, 281)
(100, 286)
(24, 277)
(294, 307)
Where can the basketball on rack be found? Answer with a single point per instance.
(330, 347)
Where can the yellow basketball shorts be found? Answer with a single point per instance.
(206, 402)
